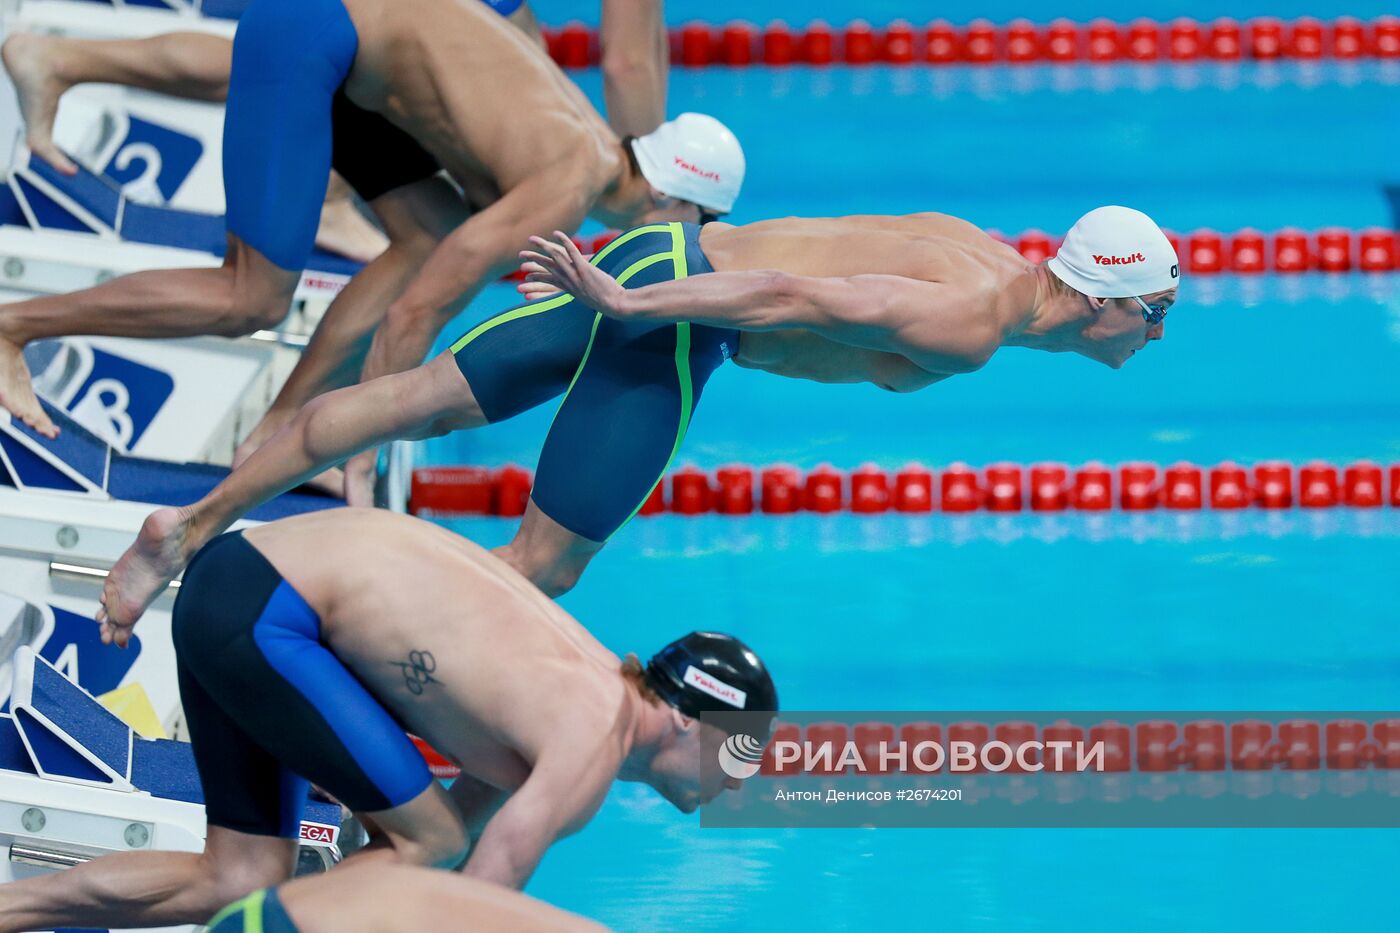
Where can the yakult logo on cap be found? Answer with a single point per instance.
(1119, 260)
(696, 170)
(715, 687)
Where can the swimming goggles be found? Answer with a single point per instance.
(1152, 314)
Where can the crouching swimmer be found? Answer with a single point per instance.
(306, 647)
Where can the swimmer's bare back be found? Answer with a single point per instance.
(461, 649)
(929, 247)
(476, 93)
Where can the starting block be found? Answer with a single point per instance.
(79, 463)
(77, 783)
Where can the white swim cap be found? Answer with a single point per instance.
(695, 158)
(1116, 252)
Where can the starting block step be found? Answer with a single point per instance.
(78, 461)
(91, 203)
(60, 732)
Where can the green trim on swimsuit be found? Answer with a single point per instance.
(628, 237)
(252, 909)
(683, 377)
(622, 279)
(558, 301)
(592, 335)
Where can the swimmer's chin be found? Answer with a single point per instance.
(1119, 364)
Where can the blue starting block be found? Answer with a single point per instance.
(59, 732)
(79, 462)
(92, 203)
(223, 9)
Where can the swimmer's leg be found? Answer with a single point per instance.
(615, 433)
(546, 553)
(192, 65)
(425, 402)
(416, 217)
(243, 295)
(149, 889)
(511, 362)
(359, 896)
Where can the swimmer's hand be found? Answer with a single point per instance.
(557, 266)
(547, 291)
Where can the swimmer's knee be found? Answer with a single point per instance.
(256, 294)
(554, 574)
(244, 317)
(454, 407)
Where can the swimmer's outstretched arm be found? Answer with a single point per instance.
(938, 326)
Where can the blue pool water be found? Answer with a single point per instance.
(1248, 611)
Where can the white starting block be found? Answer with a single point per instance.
(77, 783)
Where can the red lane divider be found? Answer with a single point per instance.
(999, 487)
(1021, 41)
(439, 765)
(1208, 252)
(1152, 746)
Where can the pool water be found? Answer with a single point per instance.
(1291, 610)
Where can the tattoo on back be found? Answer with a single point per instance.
(417, 671)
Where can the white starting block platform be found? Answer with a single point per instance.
(77, 783)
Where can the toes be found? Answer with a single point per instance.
(55, 157)
(43, 426)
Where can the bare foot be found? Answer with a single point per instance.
(359, 479)
(30, 61)
(17, 391)
(344, 230)
(160, 552)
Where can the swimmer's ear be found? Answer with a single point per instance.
(1097, 303)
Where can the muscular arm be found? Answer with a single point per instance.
(473, 255)
(635, 52)
(939, 327)
(560, 796)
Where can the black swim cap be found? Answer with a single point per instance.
(711, 672)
